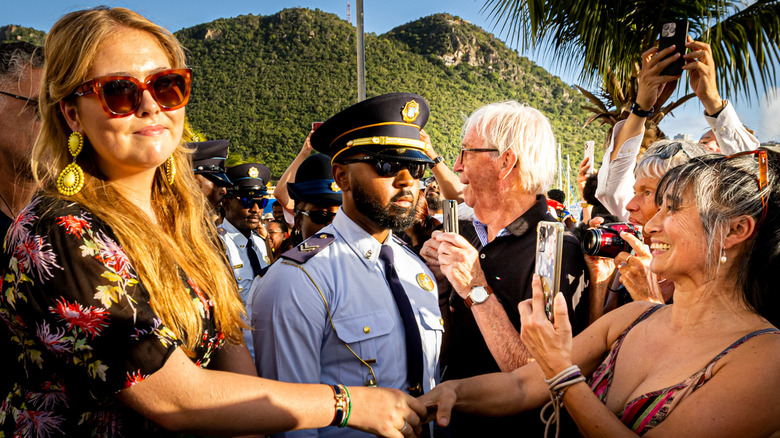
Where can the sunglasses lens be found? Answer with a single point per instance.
(249, 202)
(391, 168)
(121, 96)
(170, 90)
(321, 217)
(417, 170)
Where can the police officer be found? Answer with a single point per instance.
(353, 304)
(246, 250)
(317, 196)
(208, 163)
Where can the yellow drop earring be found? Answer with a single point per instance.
(71, 179)
(170, 170)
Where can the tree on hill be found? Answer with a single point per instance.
(12, 33)
(260, 81)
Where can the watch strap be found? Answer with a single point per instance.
(470, 302)
(436, 161)
(636, 110)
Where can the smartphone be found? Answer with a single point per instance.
(450, 219)
(589, 146)
(674, 33)
(549, 244)
(316, 125)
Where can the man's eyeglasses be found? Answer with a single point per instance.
(121, 96)
(671, 150)
(249, 201)
(28, 100)
(762, 179)
(389, 168)
(319, 217)
(474, 150)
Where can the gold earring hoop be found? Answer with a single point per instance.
(71, 179)
(170, 170)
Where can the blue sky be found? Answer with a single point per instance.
(761, 114)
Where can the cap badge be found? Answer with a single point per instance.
(253, 172)
(411, 111)
(425, 281)
(335, 187)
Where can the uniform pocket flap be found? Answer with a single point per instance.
(356, 328)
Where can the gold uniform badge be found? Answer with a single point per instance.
(425, 281)
(253, 172)
(411, 111)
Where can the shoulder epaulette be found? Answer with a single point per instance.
(222, 231)
(309, 248)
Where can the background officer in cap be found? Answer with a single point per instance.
(208, 163)
(316, 195)
(353, 304)
(247, 252)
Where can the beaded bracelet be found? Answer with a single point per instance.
(343, 404)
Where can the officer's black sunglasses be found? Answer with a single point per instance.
(249, 201)
(319, 217)
(390, 168)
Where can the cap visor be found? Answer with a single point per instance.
(402, 154)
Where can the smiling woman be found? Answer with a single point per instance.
(121, 308)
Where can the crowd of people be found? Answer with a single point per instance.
(146, 293)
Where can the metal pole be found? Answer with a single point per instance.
(361, 52)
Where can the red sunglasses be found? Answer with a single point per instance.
(121, 96)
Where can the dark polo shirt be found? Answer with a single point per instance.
(508, 263)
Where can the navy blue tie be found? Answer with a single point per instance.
(414, 354)
(254, 261)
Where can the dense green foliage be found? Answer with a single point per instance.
(260, 81)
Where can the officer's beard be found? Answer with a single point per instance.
(434, 202)
(391, 216)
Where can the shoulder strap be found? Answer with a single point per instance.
(309, 248)
(741, 341)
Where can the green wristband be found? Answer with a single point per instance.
(349, 408)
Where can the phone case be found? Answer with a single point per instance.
(549, 244)
(674, 32)
(450, 216)
(590, 146)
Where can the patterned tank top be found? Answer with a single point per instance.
(648, 410)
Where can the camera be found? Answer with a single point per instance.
(605, 241)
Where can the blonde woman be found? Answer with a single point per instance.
(123, 316)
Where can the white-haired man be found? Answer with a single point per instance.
(507, 163)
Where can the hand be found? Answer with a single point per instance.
(428, 145)
(549, 343)
(384, 412)
(583, 176)
(307, 149)
(459, 262)
(439, 402)
(262, 231)
(652, 87)
(635, 272)
(430, 255)
(701, 72)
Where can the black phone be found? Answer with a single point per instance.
(674, 33)
(549, 245)
(450, 216)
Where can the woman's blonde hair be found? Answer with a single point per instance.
(183, 242)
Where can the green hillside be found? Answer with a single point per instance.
(260, 81)
(12, 33)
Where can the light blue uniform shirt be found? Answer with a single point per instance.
(235, 245)
(293, 336)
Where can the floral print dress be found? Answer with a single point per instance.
(77, 327)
